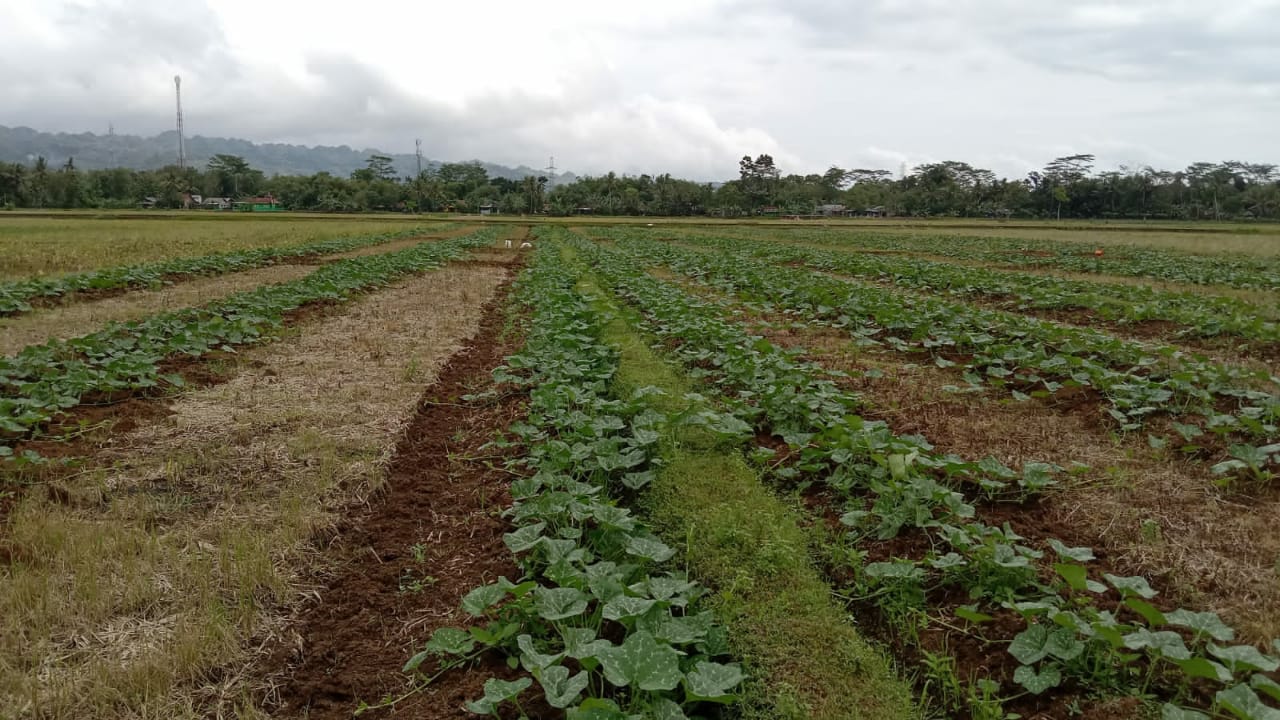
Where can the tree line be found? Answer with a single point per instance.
(1067, 187)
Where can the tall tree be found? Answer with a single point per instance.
(228, 172)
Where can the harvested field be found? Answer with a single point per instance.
(169, 564)
(75, 319)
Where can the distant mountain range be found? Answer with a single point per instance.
(91, 151)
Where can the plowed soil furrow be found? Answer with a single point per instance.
(409, 560)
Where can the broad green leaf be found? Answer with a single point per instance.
(642, 661)
(494, 633)
(1243, 657)
(682, 630)
(1129, 586)
(948, 561)
(649, 549)
(1064, 645)
(415, 662)
(580, 643)
(561, 688)
(1245, 704)
(450, 641)
(666, 709)
(1077, 576)
(1202, 623)
(596, 709)
(1198, 667)
(1049, 677)
(1029, 646)
(668, 587)
(898, 467)
(712, 682)
(559, 603)
(1037, 476)
(1266, 685)
(479, 600)
(645, 436)
(1149, 612)
(531, 658)
(1188, 432)
(1252, 456)
(497, 692)
(1078, 554)
(525, 538)
(623, 607)
(1167, 643)
(637, 480)
(895, 570)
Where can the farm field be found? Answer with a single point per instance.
(68, 243)
(321, 468)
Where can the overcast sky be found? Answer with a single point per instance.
(685, 86)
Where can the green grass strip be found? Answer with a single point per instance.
(804, 657)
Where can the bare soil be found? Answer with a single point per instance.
(445, 492)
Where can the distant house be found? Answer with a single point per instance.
(877, 211)
(832, 211)
(149, 202)
(216, 203)
(489, 209)
(583, 210)
(266, 203)
(769, 210)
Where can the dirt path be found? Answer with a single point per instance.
(142, 587)
(435, 536)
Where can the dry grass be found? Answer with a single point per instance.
(145, 594)
(1201, 243)
(1152, 512)
(79, 318)
(402, 244)
(57, 245)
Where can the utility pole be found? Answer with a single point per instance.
(182, 148)
(417, 179)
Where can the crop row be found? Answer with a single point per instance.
(1202, 315)
(16, 297)
(1030, 357)
(1239, 271)
(600, 618)
(44, 382)
(1079, 628)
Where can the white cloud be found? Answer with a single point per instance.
(686, 86)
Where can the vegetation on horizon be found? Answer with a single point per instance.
(1067, 187)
